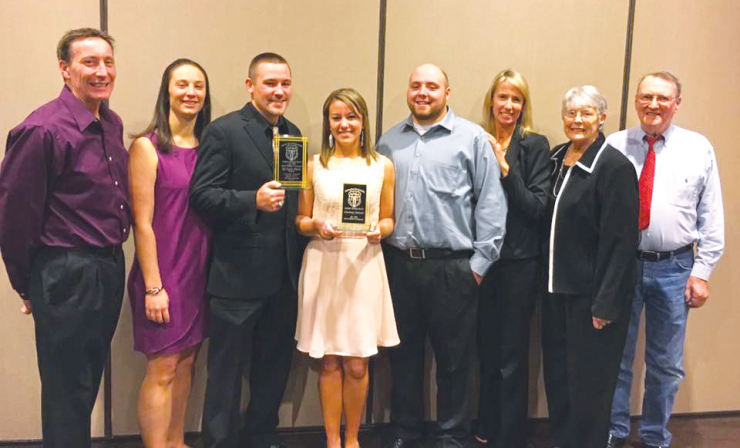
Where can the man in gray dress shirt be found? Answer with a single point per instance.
(450, 220)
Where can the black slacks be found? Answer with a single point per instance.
(580, 367)
(508, 296)
(76, 298)
(438, 297)
(260, 332)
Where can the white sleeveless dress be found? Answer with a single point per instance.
(344, 301)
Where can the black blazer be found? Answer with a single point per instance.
(252, 249)
(593, 229)
(526, 188)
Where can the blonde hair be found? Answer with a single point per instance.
(353, 99)
(518, 82)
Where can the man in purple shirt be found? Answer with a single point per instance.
(64, 212)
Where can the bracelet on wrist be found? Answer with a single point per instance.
(153, 291)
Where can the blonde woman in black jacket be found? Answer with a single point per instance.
(510, 288)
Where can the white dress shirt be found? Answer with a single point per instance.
(687, 199)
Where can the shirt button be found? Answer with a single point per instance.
(110, 159)
(115, 182)
(121, 206)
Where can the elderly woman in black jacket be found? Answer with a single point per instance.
(593, 240)
(508, 292)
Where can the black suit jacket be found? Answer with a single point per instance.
(526, 188)
(593, 230)
(252, 249)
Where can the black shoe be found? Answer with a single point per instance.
(397, 442)
(475, 442)
(615, 442)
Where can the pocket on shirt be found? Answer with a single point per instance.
(443, 179)
(685, 190)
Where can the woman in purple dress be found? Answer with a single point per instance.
(167, 281)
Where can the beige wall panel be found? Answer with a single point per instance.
(699, 43)
(31, 30)
(328, 45)
(555, 45)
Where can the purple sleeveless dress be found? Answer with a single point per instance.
(183, 242)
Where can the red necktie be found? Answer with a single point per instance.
(647, 178)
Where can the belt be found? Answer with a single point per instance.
(649, 255)
(106, 251)
(423, 254)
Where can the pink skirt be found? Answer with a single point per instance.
(344, 301)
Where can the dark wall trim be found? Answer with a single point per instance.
(627, 65)
(107, 377)
(381, 70)
(104, 15)
(383, 5)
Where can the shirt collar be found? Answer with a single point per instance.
(640, 134)
(588, 160)
(591, 156)
(448, 122)
(82, 116)
(262, 121)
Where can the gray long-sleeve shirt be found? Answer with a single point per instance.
(448, 189)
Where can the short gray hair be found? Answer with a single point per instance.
(588, 96)
(665, 76)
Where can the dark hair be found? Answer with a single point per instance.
(354, 100)
(265, 57)
(65, 43)
(160, 123)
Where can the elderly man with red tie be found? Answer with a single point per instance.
(681, 239)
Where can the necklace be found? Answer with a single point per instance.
(558, 184)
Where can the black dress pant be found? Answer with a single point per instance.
(260, 332)
(508, 296)
(438, 297)
(581, 365)
(76, 298)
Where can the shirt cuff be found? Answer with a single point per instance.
(701, 271)
(479, 264)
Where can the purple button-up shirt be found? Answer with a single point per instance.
(63, 183)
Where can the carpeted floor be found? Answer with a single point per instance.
(710, 431)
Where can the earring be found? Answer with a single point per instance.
(331, 141)
(362, 139)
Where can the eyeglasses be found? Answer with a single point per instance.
(647, 98)
(586, 114)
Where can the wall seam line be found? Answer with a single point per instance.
(383, 5)
(107, 374)
(627, 65)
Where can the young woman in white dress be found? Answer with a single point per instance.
(344, 306)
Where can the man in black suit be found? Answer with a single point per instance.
(254, 265)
